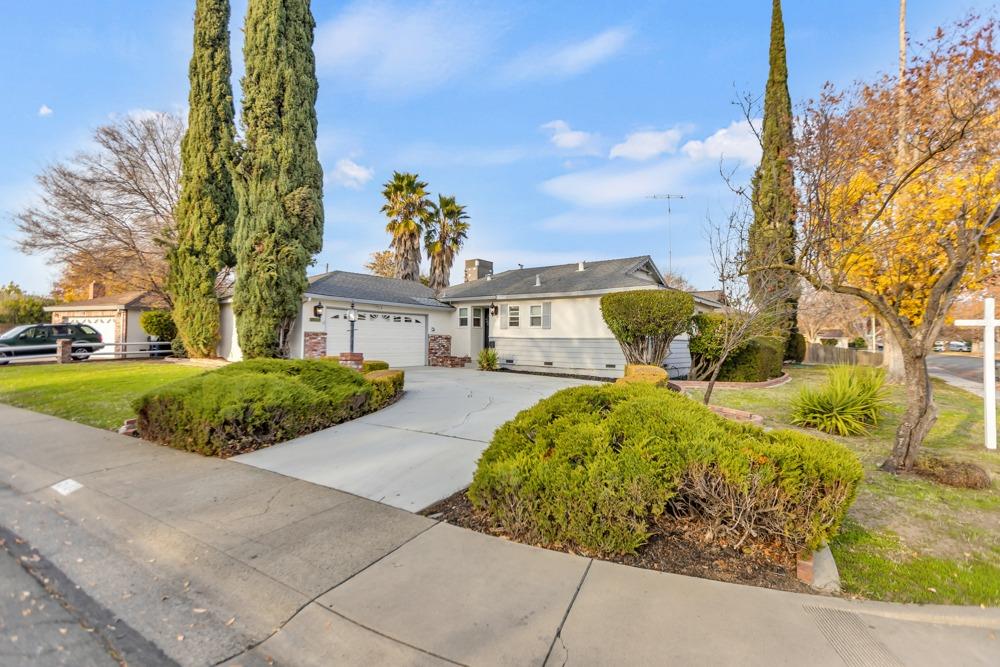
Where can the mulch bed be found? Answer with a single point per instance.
(677, 545)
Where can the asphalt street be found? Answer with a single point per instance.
(964, 365)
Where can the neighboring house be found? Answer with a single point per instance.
(839, 335)
(541, 319)
(116, 317)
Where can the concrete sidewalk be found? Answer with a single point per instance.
(216, 562)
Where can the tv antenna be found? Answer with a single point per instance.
(670, 249)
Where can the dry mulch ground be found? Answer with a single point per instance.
(677, 545)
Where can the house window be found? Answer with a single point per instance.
(513, 316)
(477, 317)
(463, 317)
(535, 313)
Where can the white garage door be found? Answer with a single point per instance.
(104, 325)
(400, 340)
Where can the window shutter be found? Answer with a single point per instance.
(503, 316)
(547, 315)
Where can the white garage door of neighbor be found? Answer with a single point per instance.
(400, 340)
(104, 325)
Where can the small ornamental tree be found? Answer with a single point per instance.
(645, 322)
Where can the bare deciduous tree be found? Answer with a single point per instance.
(752, 308)
(108, 211)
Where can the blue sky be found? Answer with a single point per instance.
(552, 121)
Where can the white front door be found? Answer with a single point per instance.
(398, 339)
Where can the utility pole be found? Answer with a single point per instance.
(670, 248)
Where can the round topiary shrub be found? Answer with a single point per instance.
(158, 323)
(592, 467)
(645, 322)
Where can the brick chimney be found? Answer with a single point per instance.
(476, 269)
(95, 291)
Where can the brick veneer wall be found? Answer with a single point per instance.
(315, 344)
(439, 352)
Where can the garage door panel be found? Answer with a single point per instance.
(396, 338)
(104, 326)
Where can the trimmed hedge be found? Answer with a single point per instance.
(369, 365)
(758, 360)
(645, 374)
(253, 404)
(645, 321)
(387, 385)
(592, 467)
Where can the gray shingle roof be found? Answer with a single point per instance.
(565, 278)
(368, 288)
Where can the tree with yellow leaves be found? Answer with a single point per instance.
(906, 216)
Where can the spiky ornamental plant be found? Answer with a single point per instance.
(280, 190)
(773, 231)
(445, 231)
(407, 207)
(206, 208)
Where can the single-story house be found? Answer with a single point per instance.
(839, 336)
(115, 317)
(544, 319)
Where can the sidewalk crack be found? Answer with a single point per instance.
(569, 607)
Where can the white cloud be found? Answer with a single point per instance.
(686, 171)
(591, 222)
(45, 110)
(402, 49)
(566, 138)
(350, 174)
(607, 186)
(647, 144)
(736, 142)
(567, 60)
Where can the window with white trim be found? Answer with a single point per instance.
(463, 317)
(513, 316)
(535, 316)
(477, 317)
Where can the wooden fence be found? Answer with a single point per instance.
(829, 355)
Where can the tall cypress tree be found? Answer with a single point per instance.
(206, 208)
(772, 235)
(280, 222)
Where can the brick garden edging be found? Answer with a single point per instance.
(766, 384)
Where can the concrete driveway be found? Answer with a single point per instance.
(418, 451)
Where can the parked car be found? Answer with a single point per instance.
(40, 339)
(939, 346)
(959, 346)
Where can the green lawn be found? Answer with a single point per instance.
(95, 393)
(907, 539)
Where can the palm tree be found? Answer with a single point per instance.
(445, 230)
(406, 206)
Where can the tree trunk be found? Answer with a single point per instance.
(712, 379)
(920, 415)
(892, 357)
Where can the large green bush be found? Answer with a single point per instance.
(252, 404)
(646, 321)
(795, 348)
(758, 360)
(753, 360)
(159, 323)
(592, 467)
(851, 401)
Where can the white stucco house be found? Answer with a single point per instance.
(544, 319)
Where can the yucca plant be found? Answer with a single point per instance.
(850, 403)
(488, 360)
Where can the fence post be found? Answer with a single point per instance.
(64, 348)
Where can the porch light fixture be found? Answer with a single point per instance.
(318, 310)
(352, 317)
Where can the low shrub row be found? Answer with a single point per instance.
(754, 360)
(592, 467)
(252, 404)
(367, 366)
